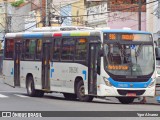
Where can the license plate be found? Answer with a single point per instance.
(131, 94)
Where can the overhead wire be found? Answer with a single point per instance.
(105, 12)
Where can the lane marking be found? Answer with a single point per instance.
(23, 96)
(3, 96)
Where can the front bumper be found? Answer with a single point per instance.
(113, 91)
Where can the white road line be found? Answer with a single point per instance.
(3, 96)
(23, 96)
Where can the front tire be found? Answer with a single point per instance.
(80, 91)
(126, 100)
(31, 91)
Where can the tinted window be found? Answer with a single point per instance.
(38, 48)
(56, 49)
(68, 48)
(30, 46)
(81, 49)
(9, 51)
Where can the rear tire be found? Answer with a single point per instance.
(31, 91)
(80, 91)
(70, 96)
(126, 100)
(40, 93)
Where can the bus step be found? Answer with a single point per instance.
(46, 90)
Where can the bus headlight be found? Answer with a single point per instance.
(107, 81)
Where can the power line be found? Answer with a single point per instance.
(116, 18)
(96, 14)
(111, 11)
(131, 14)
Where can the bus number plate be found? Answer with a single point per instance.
(131, 94)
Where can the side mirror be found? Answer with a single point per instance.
(157, 51)
(100, 52)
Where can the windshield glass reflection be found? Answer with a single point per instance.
(129, 60)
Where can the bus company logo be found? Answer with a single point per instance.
(6, 114)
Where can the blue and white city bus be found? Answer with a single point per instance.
(82, 64)
(128, 64)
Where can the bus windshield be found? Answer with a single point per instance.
(129, 59)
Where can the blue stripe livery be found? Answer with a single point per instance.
(130, 84)
(12, 71)
(126, 31)
(52, 70)
(66, 34)
(84, 72)
(37, 35)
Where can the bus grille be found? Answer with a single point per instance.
(124, 92)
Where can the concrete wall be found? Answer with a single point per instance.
(18, 17)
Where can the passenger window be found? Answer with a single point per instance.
(30, 46)
(38, 48)
(56, 49)
(9, 49)
(68, 48)
(81, 49)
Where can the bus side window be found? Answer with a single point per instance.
(38, 48)
(68, 48)
(9, 49)
(81, 49)
(30, 46)
(56, 49)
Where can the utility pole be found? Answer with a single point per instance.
(139, 14)
(46, 24)
(6, 16)
(48, 12)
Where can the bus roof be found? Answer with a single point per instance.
(75, 33)
(52, 34)
(61, 28)
(124, 31)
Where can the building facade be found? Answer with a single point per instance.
(153, 18)
(116, 14)
(79, 10)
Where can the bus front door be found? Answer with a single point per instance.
(92, 68)
(46, 66)
(17, 58)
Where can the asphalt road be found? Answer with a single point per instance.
(16, 99)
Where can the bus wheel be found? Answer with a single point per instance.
(80, 91)
(40, 93)
(31, 91)
(126, 100)
(70, 96)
